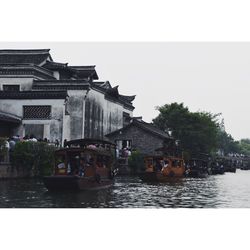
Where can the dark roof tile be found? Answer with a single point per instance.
(145, 126)
(33, 95)
(24, 56)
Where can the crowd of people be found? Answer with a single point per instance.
(11, 142)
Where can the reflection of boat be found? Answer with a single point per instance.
(162, 168)
(86, 164)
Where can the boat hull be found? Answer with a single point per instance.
(158, 177)
(75, 183)
(198, 174)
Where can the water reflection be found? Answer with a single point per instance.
(229, 190)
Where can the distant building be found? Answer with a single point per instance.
(141, 136)
(56, 101)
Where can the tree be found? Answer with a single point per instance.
(226, 143)
(244, 146)
(33, 158)
(196, 131)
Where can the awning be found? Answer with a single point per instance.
(7, 117)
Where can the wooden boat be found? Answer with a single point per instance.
(197, 168)
(84, 164)
(162, 168)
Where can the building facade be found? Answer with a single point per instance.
(141, 136)
(56, 101)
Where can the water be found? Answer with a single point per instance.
(221, 191)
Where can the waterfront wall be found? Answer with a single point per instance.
(8, 172)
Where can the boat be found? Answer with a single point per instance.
(84, 164)
(217, 168)
(162, 168)
(198, 167)
(230, 166)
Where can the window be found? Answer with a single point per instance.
(37, 112)
(11, 87)
(126, 119)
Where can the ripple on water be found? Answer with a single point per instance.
(228, 190)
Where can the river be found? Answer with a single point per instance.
(231, 190)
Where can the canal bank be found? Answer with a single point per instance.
(8, 172)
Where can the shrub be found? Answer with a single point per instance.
(3, 149)
(33, 158)
(136, 162)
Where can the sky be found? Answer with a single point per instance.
(205, 76)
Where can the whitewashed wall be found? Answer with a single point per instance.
(52, 128)
(25, 82)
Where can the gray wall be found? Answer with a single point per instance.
(142, 140)
(102, 116)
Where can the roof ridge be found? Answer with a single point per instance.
(24, 51)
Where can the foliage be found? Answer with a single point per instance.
(244, 146)
(196, 131)
(35, 158)
(226, 143)
(136, 161)
(3, 149)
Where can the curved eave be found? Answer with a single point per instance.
(10, 118)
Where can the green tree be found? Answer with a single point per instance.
(33, 158)
(244, 146)
(136, 162)
(226, 143)
(196, 131)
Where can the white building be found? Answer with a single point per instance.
(53, 100)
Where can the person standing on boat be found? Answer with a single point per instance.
(82, 166)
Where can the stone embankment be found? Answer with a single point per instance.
(8, 172)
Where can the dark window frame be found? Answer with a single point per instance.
(11, 87)
(37, 112)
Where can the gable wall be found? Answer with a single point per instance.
(142, 140)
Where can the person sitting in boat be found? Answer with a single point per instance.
(61, 165)
(178, 164)
(89, 169)
(159, 165)
(69, 169)
(165, 164)
(91, 146)
(150, 167)
(165, 167)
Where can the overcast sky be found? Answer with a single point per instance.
(204, 76)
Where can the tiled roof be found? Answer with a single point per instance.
(25, 69)
(7, 117)
(33, 95)
(145, 126)
(112, 93)
(85, 71)
(150, 127)
(24, 56)
(60, 85)
(55, 65)
(128, 98)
